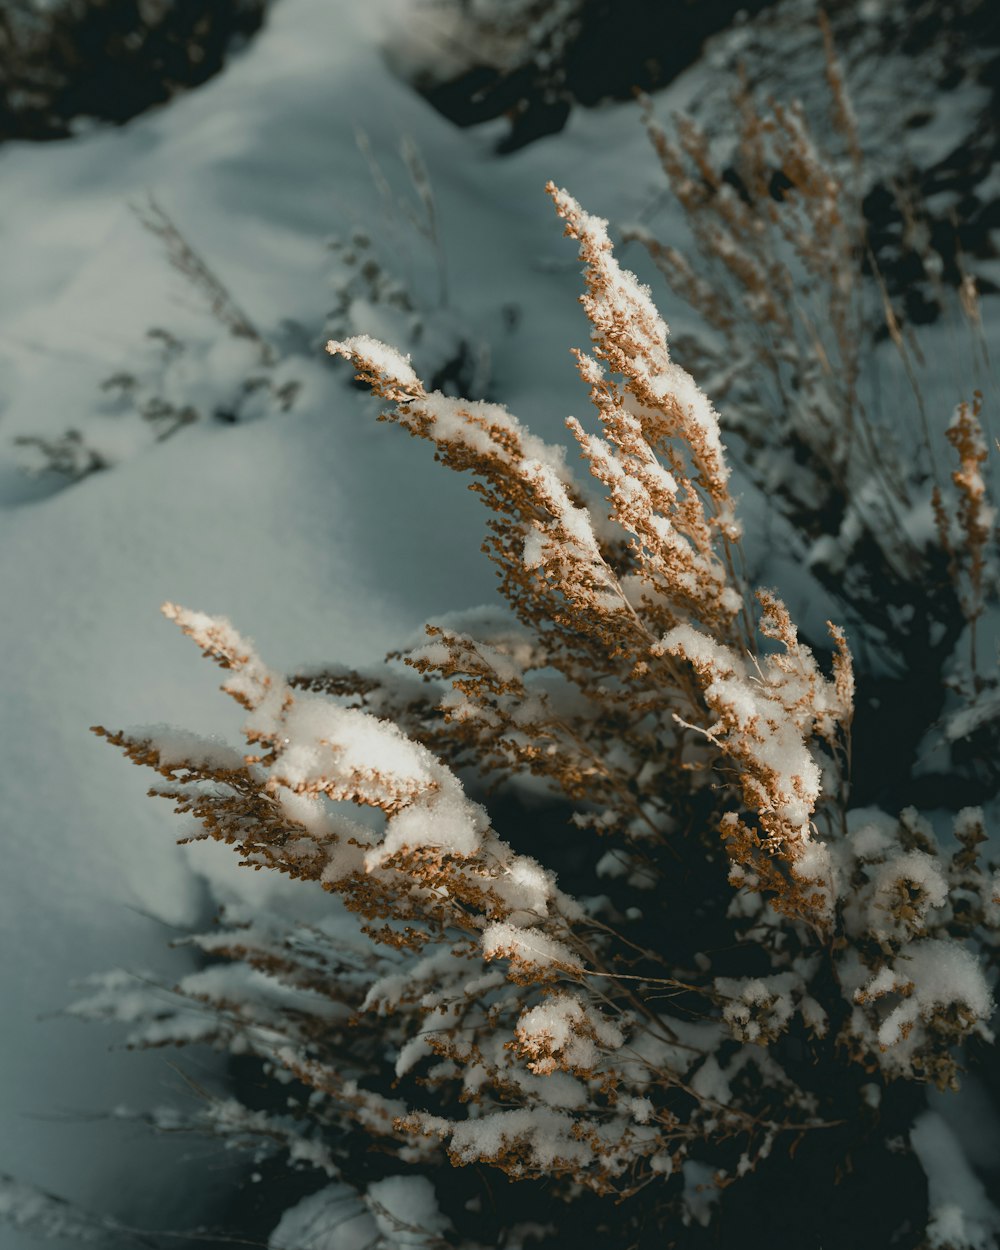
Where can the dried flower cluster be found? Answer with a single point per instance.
(678, 1032)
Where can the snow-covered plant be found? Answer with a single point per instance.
(176, 379)
(799, 332)
(69, 456)
(765, 964)
(787, 285)
(247, 374)
(173, 382)
(966, 535)
(177, 383)
(966, 526)
(415, 311)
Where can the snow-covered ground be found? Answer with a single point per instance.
(322, 534)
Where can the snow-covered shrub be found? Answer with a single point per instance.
(793, 306)
(780, 238)
(171, 384)
(769, 977)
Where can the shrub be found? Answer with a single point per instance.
(108, 59)
(771, 977)
(791, 304)
(781, 243)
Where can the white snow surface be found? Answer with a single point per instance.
(406, 1211)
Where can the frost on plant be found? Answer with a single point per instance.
(764, 963)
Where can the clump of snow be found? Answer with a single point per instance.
(447, 819)
(962, 1217)
(930, 975)
(179, 746)
(333, 1218)
(379, 357)
(566, 1031)
(760, 1008)
(322, 738)
(544, 1134)
(701, 1192)
(406, 1211)
(529, 946)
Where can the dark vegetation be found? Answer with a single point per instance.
(109, 60)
